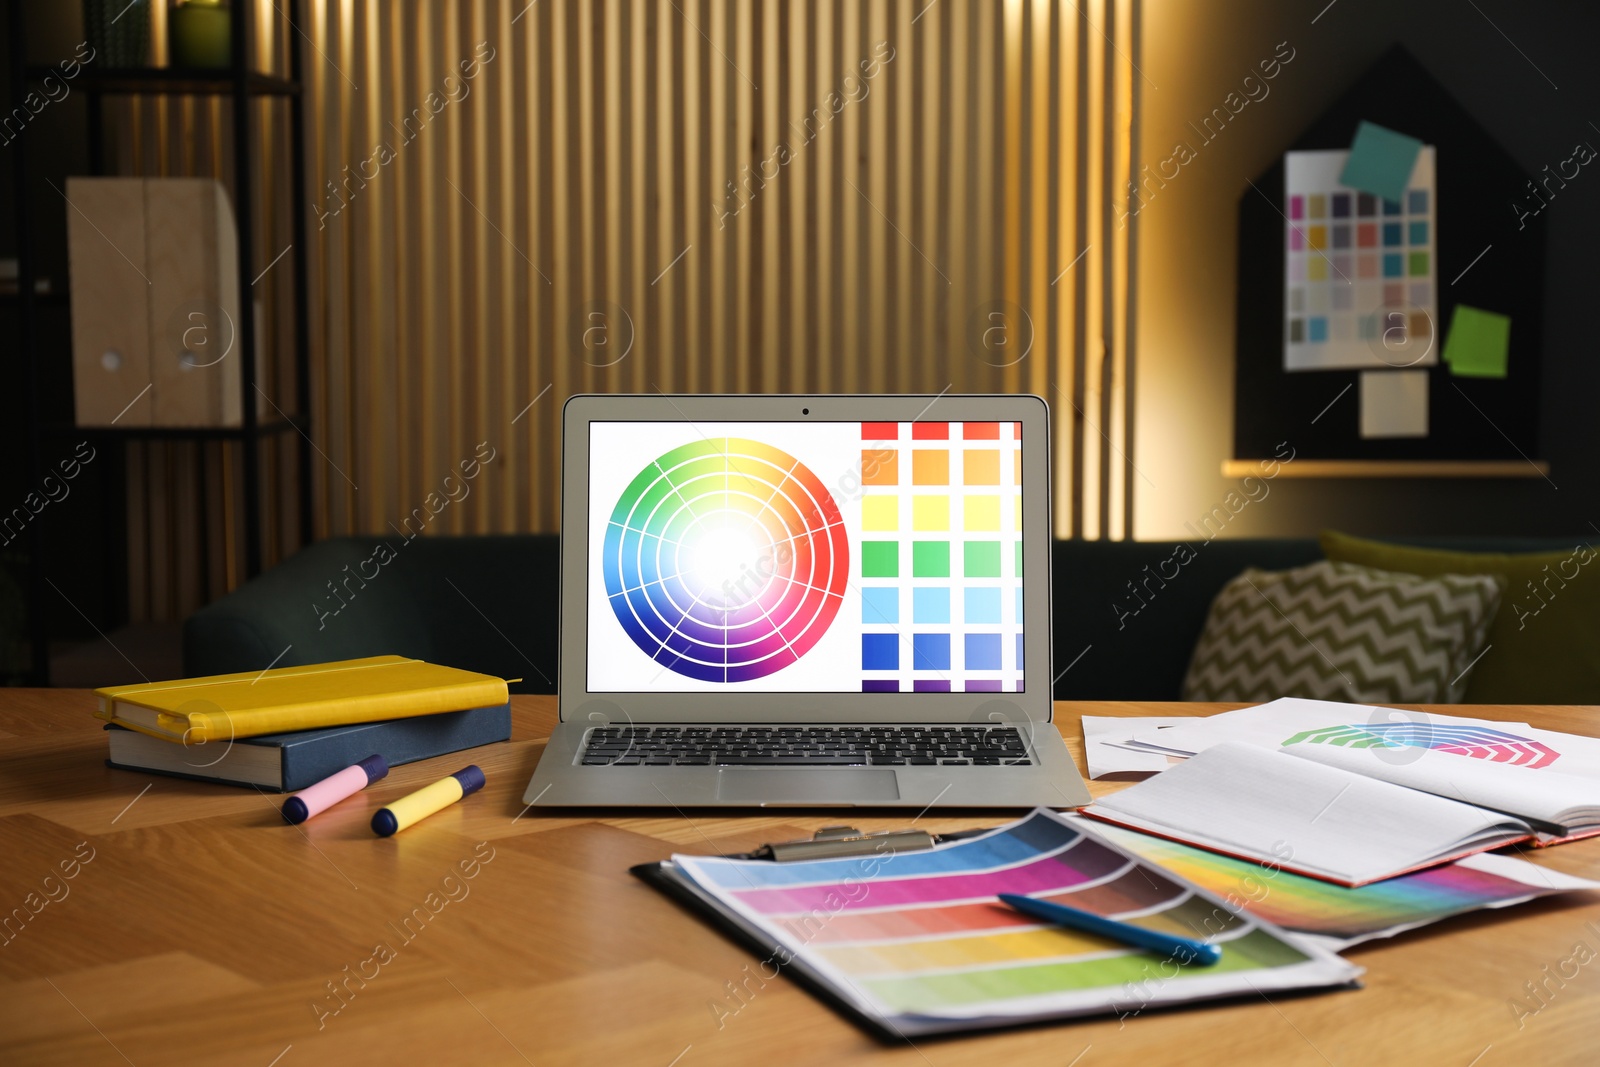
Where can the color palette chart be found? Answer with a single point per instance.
(725, 559)
(921, 935)
(940, 566)
(1340, 916)
(1478, 742)
(1361, 287)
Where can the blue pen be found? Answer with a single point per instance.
(1181, 949)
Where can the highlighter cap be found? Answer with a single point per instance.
(375, 766)
(295, 811)
(471, 779)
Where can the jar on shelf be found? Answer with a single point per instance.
(200, 34)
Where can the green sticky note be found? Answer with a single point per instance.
(1380, 162)
(1479, 343)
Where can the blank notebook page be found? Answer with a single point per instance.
(1302, 815)
(1566, 800)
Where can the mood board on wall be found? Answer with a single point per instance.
(1380, 258)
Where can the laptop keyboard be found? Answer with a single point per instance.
(810, 746)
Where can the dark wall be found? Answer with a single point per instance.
(75, 529)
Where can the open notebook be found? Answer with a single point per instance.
(1305, 816)
(1559, 806)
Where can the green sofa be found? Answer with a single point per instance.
(1124, 623)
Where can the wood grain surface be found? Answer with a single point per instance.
(154, 921)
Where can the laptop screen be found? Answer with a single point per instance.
(805, 557)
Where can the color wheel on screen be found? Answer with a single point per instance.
(726, 559)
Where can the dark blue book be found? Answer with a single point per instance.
(285, 763)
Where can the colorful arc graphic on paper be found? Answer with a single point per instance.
(1476, 741)
(726, 559)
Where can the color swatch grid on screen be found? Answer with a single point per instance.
(940, 568)
(726, 559)
(1342, 915)
(1360, 279)
(922, 932)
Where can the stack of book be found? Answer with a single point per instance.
(288, 728)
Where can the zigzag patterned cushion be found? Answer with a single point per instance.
(1337, 631)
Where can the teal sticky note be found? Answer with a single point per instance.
(1380, 161)
(1479, 343)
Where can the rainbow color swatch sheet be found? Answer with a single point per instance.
(1337, 916)
(806, 557)
(917, 939)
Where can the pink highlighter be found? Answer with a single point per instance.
(315, 799)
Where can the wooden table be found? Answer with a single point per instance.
(199, 928)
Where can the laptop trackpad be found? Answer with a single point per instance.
(799, 785)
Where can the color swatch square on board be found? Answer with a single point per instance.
(930, 466)
(880, 685)
(930, 431)
(980, 431)
(880, 431)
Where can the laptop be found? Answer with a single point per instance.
(805, 601)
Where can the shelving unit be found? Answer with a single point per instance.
(1392, 468)
(241, 86)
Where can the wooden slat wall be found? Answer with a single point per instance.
(611, 172)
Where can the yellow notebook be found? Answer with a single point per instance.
(224, 706)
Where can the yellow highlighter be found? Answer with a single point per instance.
(427, 800)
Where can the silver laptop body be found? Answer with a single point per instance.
(805, 601)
